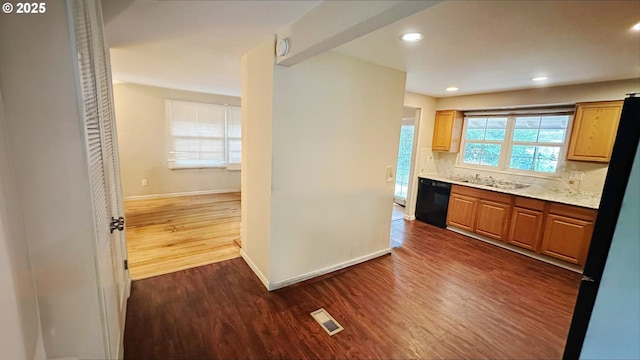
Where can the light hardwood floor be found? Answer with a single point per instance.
(178, 233)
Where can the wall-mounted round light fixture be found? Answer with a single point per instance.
(282, 47)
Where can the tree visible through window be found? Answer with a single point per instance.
(537, 143)
(404, 161)
(516, 142)
(484, 140)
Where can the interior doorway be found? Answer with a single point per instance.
(404, 167)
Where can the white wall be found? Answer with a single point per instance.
(20, 327)
(336, 126)
(614, 327)
(47, 150)
(570, 94)
(141, 123)
(257, 114)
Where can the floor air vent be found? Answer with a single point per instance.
(328, 323)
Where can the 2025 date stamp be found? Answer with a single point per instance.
(24, 8)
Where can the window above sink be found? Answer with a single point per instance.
(524, 142)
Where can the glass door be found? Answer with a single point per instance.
(404, 160)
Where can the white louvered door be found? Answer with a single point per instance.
(99, 123)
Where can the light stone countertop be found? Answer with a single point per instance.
(583, 199)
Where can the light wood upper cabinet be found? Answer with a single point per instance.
(594, 131)
(447, 130)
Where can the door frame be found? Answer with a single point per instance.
(413, 154)
(615, 186)
(412, 187)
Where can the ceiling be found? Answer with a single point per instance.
(487, 46)
(191, 45)
(477, 46)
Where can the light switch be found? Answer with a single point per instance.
(145, 182)
(389, 173)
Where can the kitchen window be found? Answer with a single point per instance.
(522, 141)
(201, 135)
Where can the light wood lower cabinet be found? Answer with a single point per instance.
(480, 211)
(567, 233)
(492, 219)
(462, 211)
(553, 229)
(526, 227)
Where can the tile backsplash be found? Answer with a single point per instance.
(580, 176)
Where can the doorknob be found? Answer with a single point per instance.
(116, 224)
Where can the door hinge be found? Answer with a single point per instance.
(116, 224)
(126, 264)
(588, 279)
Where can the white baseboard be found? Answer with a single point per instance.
(309, 275)
(188, 193)
(255, 269)
(409, 217)
(548, 260)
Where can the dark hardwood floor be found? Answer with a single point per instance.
(440, 295)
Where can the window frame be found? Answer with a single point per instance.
(508, 143)
(174, 164)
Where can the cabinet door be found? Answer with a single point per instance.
(594, 131)
(462, 211)
(492, 219)
(526, 227)
(566, 238)
(446, 131)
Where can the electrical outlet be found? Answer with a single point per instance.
(145, 182)
(389, 173)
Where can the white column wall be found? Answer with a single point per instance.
(257, 112)
(336, 126)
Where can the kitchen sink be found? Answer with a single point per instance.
(498, 185)
(511, 186)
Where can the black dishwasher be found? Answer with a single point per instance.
(433, 202)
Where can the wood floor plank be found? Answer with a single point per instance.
(172, 234)
(441, 295)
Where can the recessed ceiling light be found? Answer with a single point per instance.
(539, 78)
(452, 88)
(636, 27)
(411, 37)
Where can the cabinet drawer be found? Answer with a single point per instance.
(528, 203)
(481, 194)
(572, 211)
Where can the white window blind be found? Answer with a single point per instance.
(202, 135)
(234, 137)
